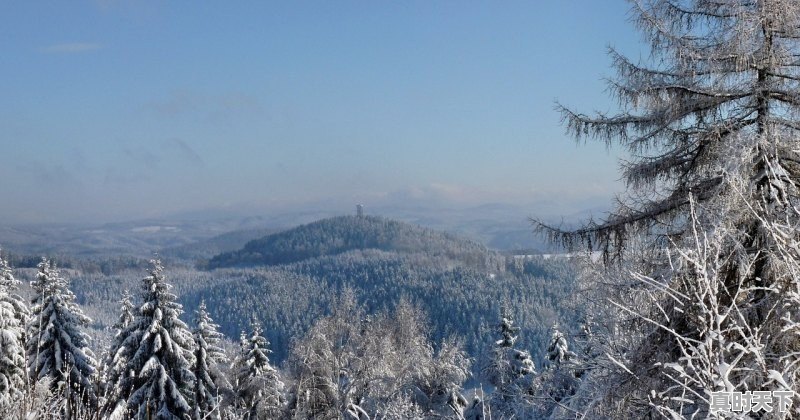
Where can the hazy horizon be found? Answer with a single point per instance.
(118, 110)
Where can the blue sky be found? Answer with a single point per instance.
(114, 110)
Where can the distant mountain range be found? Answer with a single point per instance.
(201, 236)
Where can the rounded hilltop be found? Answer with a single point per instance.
(341, 234)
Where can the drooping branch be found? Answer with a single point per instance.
(722, 73)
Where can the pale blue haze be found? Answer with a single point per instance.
(115, 110)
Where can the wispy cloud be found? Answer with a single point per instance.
(549, 200)
(186, 151)
(208, 106)
(142, 157)
(49, 175)
(448, 193)
(71, 48)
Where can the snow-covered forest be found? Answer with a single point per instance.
(682, 302)
(352, 360)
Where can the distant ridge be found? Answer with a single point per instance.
(206, 248)
(347, 233)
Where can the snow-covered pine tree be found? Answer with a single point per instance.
(207, 355)
(559, 380)
(151, 373)
(258, 384)
(13, 317)
(712, 122)
(558, 350)
(510, 371)
(112, 360)
(126, 312)
(508, 364)
(56, 347)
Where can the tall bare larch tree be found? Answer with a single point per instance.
(711, 122)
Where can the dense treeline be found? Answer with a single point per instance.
(296, 322)
(345, 233)
(93, 265)
(458, 300)
(288, 299)
(460, 284)
(205, 249)
(395, 322)
(352, 362)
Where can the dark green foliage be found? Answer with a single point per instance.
(460, 285)
(346, 233)
(459, 300)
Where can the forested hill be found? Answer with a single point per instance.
(291, 279)
(347, 233)
(287, 280)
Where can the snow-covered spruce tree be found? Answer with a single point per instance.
(126, 312)
(13, 317)
(258, 385)
(510, 371)
(56, 346)
(559, 380)
(207, 355)
(151, 372)
(126, 316)
(712, 122)
(558, 352)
